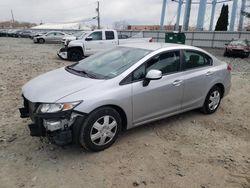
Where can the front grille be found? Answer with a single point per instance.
(237, 50)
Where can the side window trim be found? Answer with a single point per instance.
(144, 63)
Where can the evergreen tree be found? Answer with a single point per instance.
(222, 21)
(247, 14)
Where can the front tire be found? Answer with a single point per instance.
(225, 53)
(212, 101)
(41, 41)
(100, 129)
(75, 55)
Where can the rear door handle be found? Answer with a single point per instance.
(177, 82)
(209, 73)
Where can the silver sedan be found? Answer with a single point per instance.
(51, 37)
(92, 101)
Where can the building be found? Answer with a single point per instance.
(62, 26)
(152, 27)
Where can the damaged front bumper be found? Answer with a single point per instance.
(60, 127)
(63, 54)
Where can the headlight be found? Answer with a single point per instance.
(57, 107)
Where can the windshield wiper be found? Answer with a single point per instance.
(82, 72)
(90, 75)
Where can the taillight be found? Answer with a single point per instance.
(151, 40)
(229, 68)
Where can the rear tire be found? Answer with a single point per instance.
(75, 54)
(100, 129)
(212, 101)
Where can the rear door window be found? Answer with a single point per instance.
(195, 59)
(109, 35)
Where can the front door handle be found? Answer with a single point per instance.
(177, 82)
(209, 73)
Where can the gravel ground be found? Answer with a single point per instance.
(187, 150)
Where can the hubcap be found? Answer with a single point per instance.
(214, 100)
(103, 130)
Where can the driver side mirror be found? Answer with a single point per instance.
(89, 38)
(152, 75)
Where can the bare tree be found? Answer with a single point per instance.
(120, 25)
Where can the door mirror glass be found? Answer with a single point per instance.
(152, 75)
(89, 39)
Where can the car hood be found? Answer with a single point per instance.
(73, 43)
(69, 38)
(54, 85)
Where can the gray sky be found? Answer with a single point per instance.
(133, 11)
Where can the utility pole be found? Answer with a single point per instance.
(12, 16)
(98, 15)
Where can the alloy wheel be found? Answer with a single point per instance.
(103, 130)
(214, 100)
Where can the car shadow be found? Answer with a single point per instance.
(73, 149)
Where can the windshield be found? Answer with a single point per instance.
(78, 34)
(239, 42)
(110, 63)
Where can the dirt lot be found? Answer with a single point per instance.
(188, 150)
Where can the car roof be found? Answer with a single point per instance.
(156, 45)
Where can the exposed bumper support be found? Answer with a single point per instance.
(63, 54)
(58, 127)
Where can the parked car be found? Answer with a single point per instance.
(3, 33)
(237, 48)
(37, 34)
(25, 34)
(74, 36)
(17, 34)
(123, 36)
(94, 42)
(52, 37)
(92, 101)
(12, 32)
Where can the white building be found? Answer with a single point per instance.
(73, 26)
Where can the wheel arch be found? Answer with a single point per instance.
(121, 113)
(218, 84)
(76, 47)
(39, 38)
(221, 86)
